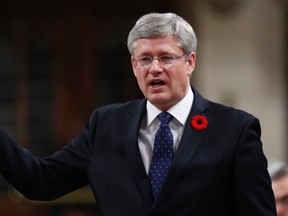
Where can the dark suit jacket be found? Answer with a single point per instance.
(219, 171)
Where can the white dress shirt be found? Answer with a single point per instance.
(150, 124)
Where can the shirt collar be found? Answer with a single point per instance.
(179, 110)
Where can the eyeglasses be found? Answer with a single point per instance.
(164, 61)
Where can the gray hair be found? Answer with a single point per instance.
(277, 170)
(163, 24)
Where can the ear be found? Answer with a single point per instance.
(134, 65)
(191, 63)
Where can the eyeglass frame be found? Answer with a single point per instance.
(175, 59)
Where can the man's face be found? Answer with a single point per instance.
(162, 85)
(280, 189)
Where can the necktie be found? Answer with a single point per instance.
(162, 154)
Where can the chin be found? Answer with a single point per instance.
(160, 102)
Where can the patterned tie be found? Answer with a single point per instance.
(162, 154)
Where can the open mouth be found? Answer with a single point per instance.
(157, 83)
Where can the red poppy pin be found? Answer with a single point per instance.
(199, 122)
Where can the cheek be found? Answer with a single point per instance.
(180, 79)
(180, 84)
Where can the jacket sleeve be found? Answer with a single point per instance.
(50, 177)
(253, 192)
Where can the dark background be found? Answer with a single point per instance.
(60, 59)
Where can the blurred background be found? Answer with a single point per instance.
(60, 59)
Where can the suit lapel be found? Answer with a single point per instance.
(130, 137)
(188, 145)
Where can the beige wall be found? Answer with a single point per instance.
(241, 62)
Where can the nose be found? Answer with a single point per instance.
(155, 66)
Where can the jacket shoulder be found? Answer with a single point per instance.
(118, 110)
(218, 109)
(229, 110)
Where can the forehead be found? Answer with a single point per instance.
(157, 45)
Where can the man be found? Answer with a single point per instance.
(207, 158)
(279, 176)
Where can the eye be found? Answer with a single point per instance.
(167, 59)
(146, 60)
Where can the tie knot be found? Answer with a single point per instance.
(165, 118)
